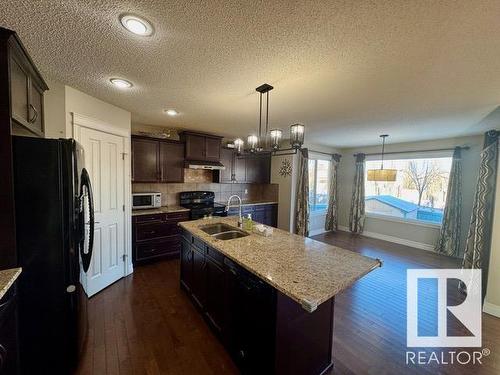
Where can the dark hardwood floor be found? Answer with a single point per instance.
(144, 324)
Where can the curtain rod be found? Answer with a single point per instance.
(414, 151)
(324, 153)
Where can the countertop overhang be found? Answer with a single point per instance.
(7, 279)
(308, 271)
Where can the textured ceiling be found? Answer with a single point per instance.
(349, 70)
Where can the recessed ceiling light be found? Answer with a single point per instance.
(136, 25)
(121, 83)
(171, 112)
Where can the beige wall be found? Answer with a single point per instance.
(54, 110)
(83, 104)
(492, 303)
(421, 234)
(286, 190)
(60, 101)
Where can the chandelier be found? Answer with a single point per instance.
(270, 141)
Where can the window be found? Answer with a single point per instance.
(419, 192)
(318, 185)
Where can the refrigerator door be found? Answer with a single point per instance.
(46, 184)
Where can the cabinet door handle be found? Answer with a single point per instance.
(35, 114)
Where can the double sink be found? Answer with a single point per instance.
(223, 232)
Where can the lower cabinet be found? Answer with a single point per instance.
(156, 236)
(263, 330)
(9, 362)
(262, 213)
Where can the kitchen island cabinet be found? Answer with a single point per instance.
(270, 300)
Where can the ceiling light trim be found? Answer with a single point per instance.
(127, 20)
(121, 83)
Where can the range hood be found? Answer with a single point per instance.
(210, 165)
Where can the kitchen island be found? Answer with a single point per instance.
(270, 300)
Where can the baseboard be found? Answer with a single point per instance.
(400, 241)
(491, 309)
(315, 232)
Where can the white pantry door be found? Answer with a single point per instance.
(104, 162)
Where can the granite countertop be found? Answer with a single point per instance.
(7, 278)
(160, 210)
(248, 203)
(308, 271)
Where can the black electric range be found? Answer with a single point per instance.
(201, 204)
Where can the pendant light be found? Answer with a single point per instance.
(269, 142)
(383, 175)
(297, 135)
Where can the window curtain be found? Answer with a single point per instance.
(331, 221)
(357, 212)
(302, 196)
(477, 247)
(449, 236)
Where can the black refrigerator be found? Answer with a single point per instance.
(54, 230)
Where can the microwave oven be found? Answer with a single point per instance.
(146, 200)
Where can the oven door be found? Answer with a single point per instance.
(143, 201)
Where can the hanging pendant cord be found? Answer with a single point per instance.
(267, 116)
(260, 115)
(383, 148)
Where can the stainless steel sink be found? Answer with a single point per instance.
(223, 231)
(230, 235)
(217, 228)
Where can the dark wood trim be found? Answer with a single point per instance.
(8, 258)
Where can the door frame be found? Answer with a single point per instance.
(80, 121)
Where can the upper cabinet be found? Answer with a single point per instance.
(21, 113)
(26, 91)
(157, 160)
(243, 169)
(202, 147)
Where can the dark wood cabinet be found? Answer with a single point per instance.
(186, 264)
(157, 160)
(171, 162)
(9, 351)
(227, 159)
(195, 147)
(243, 169)
(198, 281)
(26, 88)
(212, 148)
(202, 147)
(145, 161)
(156, 236)
(21, 85)
(258, 169)
(240, 169)
(263, 213)
(263, 330)
(215, 305)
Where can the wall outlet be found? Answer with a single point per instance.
(246, 191)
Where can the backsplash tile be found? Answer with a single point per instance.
(198, 175)
(247, 192)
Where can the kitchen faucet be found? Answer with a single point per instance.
(240, 220)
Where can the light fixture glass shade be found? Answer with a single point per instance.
(253, 142)
(276, 135)
(238, 144)
(383, 175)
(297, 135)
